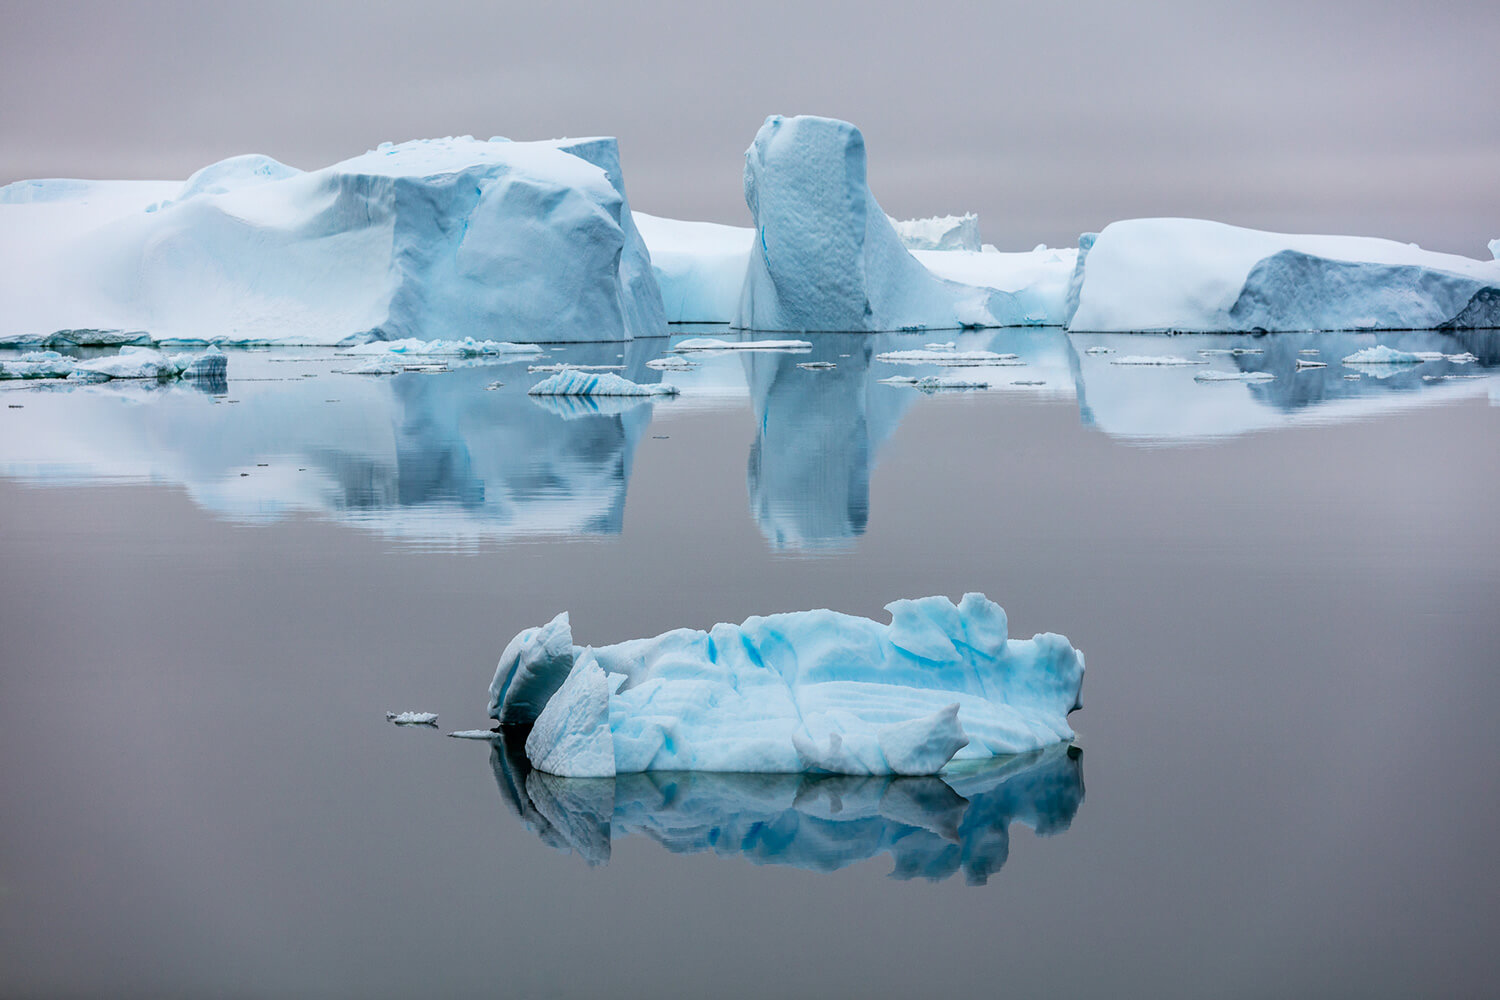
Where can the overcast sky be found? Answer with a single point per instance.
(1047, 119)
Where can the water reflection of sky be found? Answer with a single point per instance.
(466, 454)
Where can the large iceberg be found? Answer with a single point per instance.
(826, 257)
(1192, 275)
(804, 691)
(433, 239)
(699, 266)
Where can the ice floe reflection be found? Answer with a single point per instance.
(464, 453)
(932, 827)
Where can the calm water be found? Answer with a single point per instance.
(1287, 593)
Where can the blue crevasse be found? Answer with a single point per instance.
(802, 691)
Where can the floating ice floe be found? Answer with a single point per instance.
(1157, 360)
(131, 362)
(395, 365)
(1383, 355)
(1305, 365)
(475, 734)
(465, 348)
(580, 383)
(412, 718)
(715, 344)
(672, 364)
(816, 366)
(1233, 377)
(804, 691)
(565, 366)
(946, 357)
(945, 346)
(1237, 351)
(932, 383)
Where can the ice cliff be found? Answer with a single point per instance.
(1193, 275)
(826, 257)
(433, 239)
(804, 691)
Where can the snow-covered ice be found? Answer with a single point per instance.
(574, 382)
(717, 344)
(672, 364)
(430, 239)
(412, 718)
(474, 734)
(1384, 355)
(1218, 376)
(1157, 360)
(932, 383)
(1195, 275)
(804, 691)
(699, 266)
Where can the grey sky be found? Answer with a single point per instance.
(1047, 119)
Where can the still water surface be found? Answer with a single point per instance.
(1286, 591)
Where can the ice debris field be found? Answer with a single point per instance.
(814, 691)
(438, 240)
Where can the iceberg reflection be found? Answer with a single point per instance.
(932, 827)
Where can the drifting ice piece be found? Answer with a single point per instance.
(805, 691)
(715, 344)
(466, 348)
(412, 718)
(825, 257)
(1234, 377)
(1383, 355)
(1192, 275)
(580, 383)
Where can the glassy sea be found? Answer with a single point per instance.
(1284, 784)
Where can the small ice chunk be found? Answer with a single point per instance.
(475, 734)
(713, 344)
(1461, 359)
(1233, 377)
(816, 366)
(944, 357)
(1233, 351)
(1383, 355)
(672, 364)
(1100, 350)
(1029, 381)
(934, 383)
(565, 366)
(947, 346)
(1158, 360)
(130, 363)
(412, 718)
(1351, 378)
(1310, 350)
(1305, 365)
(577, 383)
(468, 347)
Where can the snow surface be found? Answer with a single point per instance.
(1193, 275)
(941, 232)
(804, 691)
(825, 256)
(432, 239)
(580, 383)
(699, 266)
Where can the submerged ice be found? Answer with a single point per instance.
(803, 691)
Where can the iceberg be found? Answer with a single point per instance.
(575, 382)
(431, 240)
(825, 256)
(1384, 355)
(932, 827)
(37, 364)
(945, 233)
(699, 266)
(803, 691)
(1193, 275)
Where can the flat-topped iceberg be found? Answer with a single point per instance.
(1194, 275)
(433, 240)
(826, 257)
(803, 691)
(574, 382)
